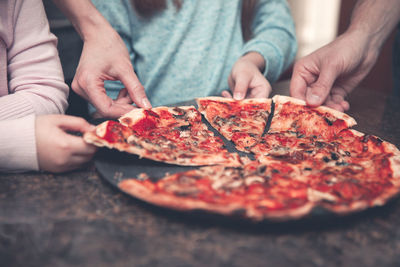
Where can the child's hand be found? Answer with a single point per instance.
(57, 150)
(246, 79)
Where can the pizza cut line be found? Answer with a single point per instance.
(307, 157)
(172, 135)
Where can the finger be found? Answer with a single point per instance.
(262, 91)
(318, 92)
(72, 123)
(345, 105)
(104, 104)
(226, 94)
(78, 145)
(337, 98)
(231, 83)
(241, 86)
(334, 105)
(301, 78)
(298, 87)
(135, 88)
(123, 97)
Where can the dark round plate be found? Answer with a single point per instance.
(115, 166)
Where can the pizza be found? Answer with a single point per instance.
(299, 158)
(273, 188)
(293, 114)
(242, 122)
(174, 135)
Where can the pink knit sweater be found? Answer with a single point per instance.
(31, 81)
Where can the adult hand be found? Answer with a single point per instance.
(246, 79)
(105, 57)
(328, 75)
(57, 150)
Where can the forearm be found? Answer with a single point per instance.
(273, 37)
(18, 145)
(374, 20)
(87, 20)
(35, 77)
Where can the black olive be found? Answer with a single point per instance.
(178, 116)
(320, 144)
(299, 135)
(262, 169)
(328, 121)
(326, 159)
(334, 156)
(365, 138)
(184, 127)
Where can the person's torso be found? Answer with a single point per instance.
(182, 54)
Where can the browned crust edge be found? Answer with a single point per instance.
(136, 189)
(279, 100)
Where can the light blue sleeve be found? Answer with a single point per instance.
(274, 37)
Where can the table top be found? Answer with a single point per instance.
(79, 219)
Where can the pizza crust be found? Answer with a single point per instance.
(136, 189)
(315, 198)
(231, 100)
(280, 100)
(96, 138)
(138, 114)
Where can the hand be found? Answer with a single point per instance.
(329, 74)
(246, 79)
(57, 150)
(105, 57)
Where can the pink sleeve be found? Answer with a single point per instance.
(36, 82)
(18, 146)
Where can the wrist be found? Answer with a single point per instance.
(256, 59)
(84, 16)
(367, 42)
(89, 25)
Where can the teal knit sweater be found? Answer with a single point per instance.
(182, 54)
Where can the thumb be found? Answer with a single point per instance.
(72, 123)
(317, 93)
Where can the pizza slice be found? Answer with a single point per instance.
(173, 135)
(352, 172)
(293, 114)
(243, 122)
(253, 191)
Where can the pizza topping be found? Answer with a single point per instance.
(326, 159)
(309, 157)
(334, 156)
(115, 132)
(315, 196)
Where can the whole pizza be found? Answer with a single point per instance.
(298, 158)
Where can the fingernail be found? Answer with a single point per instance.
(238, 95)
(146, 103)
(313, 99)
